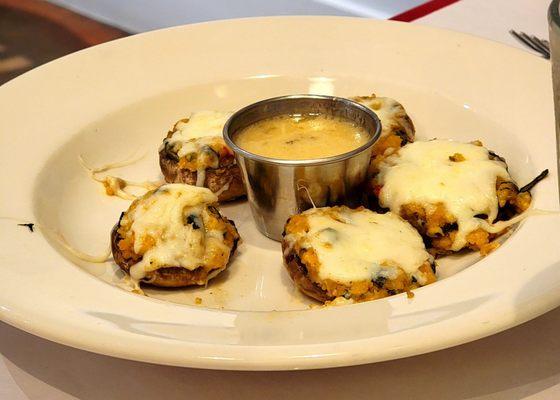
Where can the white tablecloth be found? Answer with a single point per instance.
(521, 363)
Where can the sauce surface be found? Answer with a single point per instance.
(301, 137)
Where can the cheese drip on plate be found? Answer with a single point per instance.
(197, 136)
(171, 223)
(360, 245)
(461, 176)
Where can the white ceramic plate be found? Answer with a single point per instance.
(112, 100)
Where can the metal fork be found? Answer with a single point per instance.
(541, 46)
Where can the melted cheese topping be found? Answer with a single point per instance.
(388, 110)
(161, 218)
(361, 245)
(424, 173)
(200, 139)
(201, 124)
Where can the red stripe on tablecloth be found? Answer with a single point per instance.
(422, 10)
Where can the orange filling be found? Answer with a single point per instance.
(384, 147)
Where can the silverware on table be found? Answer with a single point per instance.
(541, 46)
(278, 188)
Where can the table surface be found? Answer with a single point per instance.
(521, 363)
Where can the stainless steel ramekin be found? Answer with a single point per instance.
(279, 188)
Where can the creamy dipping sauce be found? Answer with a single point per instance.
(301, 137)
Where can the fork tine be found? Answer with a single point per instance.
(537, 44)
(529, 42)
(541, 42)
(525, 41)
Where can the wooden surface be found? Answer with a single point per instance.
(34, 32)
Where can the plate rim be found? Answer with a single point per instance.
(333, 360)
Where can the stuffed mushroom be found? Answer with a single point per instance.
(455, 194)
(336, 253)
(173, 237)
(194, 152)
(397, 127)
